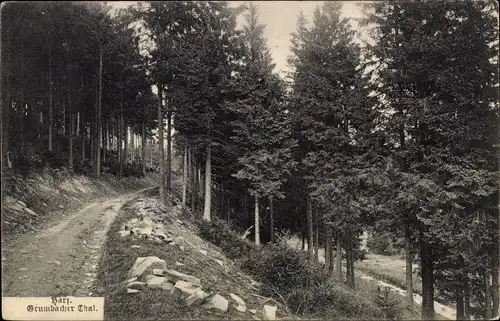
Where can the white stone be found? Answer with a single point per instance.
(176, 276)
(135, 246)
(237, 299)
(203, 252)
(181, 248)
(167, 285)
(124, 233)
(133, 291)
(179, 239)
(252, 311)
(31, 212)
(179, 263)
(241, 308)
(158, 272)
(268, 312)
(196, 298)
(156, 282)
(217, 302)
(146, 264)
(183, 289)
(219, 262)
(136, 285)
(143, 230)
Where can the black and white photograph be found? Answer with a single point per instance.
(250, 160)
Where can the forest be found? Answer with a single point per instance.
(397, 135)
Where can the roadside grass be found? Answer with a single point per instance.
(118, 257)
(391, 276)
(113, 268)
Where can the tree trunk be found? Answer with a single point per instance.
(77, 128)
(316, 238)
(310, 244)
(192, 181)
(185, 177)
(332, 257)
(245, 208)
(196, 189)
(132, 144)
(119, 139)
(189, 174)
(350, 248)
(221, 204)
(125, 143)
(494, 270)
(82, 135)
(427, 279)
(162, 148)
(256, 223)
(347, 261)
(409, 268)
(92, 141)
(467, 310)
(151, 147)
(338, 253)
(226, 206)
(303, 234)
(106, 137)
(5, 112)
(271, 219)
(143, 148)
(103, 128)
(169, 150)
(21, 110)
(202, 181)
(328, 248)
(51, 116)
(208, 186)
(459, 299)
(99, 125)
(487, 298)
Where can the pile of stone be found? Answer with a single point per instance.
(151, 273)
(17, 206)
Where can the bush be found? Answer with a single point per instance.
(285, 275)
(381, 244)
(333, 301)
(53, 160)
(386, 301)
(219, 233)
(282, 268)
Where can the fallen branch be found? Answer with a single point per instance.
(284, 306)
(192, 260)
(247, 232)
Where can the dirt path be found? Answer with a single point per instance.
(62, 259)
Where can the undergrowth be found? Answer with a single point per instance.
(287, 276)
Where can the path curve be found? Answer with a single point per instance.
(445, 311)
(61, 260)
